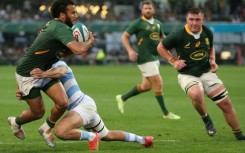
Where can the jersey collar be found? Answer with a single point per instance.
(189, 31)
(145, 19)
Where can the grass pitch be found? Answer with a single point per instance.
(142, 113)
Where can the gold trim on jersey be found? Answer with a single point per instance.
(140, 41)
(41, 52)
(145, 19)
(189, 31)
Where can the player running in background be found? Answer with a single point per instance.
(83, 113)
(53, 41)
(148, 32)
(196, 66)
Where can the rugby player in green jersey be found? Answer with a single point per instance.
(148, 32)
(54, 41)
(196, 65)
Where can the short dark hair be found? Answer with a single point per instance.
(146, 2)
(60, 6)
(194, 10)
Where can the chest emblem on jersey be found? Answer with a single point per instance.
(198, 55)
(207, 41)
(187, 45)
(155, 36)
(198, 44)
(147, 28)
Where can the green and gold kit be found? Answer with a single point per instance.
(148, 36)
(49, 46)
(193, 48)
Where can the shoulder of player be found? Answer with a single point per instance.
(156, 20)
(57, 24)
(207, 30)
(136, 21)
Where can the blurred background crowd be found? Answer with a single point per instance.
(108, 19)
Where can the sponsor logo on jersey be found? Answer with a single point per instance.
(198, 55)
(187, 45)
(155, 36)
(198, 44)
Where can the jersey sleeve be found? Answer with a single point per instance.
(132, 28)
(161, 30)
(64, 34)
(209, 34)
(170, 41)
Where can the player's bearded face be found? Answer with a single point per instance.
(195, 22)
(71, 15)
(148, 11)
(69, 22)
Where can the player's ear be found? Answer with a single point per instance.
(62, 15)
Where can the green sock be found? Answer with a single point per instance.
(207, 119)
(239, 135)
(160, 100)
(17, 121)
(131, 93)
(50, 124)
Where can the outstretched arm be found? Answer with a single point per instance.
(56, 72)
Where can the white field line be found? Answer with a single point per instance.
(63, 142)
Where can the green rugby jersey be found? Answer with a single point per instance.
(194, 51)
(148, 36)
(48, 47)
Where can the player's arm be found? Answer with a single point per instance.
(56, 72)
(125, 41)
(165, 54)
(81, 47)
(214, 66)
(177, 64)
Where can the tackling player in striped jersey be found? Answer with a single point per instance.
(82, 112)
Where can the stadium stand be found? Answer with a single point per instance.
(21, 20)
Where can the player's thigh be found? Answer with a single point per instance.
(211, 83)
(71, 120)
(188, 81)
(36, 105)
(57, 93)
(97, 125)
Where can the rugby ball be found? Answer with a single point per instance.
(80, 32)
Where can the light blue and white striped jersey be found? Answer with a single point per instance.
(74, 94)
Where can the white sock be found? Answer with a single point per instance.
(130, 137)
(87, 135)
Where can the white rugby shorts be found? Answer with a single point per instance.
(27, 83)
(206, 81)
(150, 68)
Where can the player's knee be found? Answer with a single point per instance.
(38, 114)
(63, 105)
(60, 133)
(196, 93)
